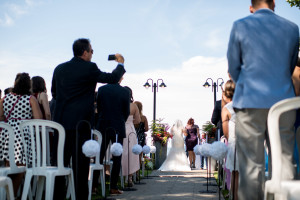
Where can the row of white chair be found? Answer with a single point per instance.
(41, 168)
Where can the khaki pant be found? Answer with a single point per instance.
(251, 131)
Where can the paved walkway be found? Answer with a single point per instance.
(173, 185)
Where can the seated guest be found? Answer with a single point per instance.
(16, 107)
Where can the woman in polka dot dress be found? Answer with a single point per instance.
(16, 107)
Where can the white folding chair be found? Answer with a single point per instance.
(97, 166)
(38, 167)
(7, 184)
(13, 168)
(276, 187)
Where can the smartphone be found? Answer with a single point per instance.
(112, 57)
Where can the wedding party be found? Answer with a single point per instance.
(150, 100)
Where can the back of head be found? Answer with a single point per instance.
(229, 89)
(22, 84)
(8, 90)
(178, 124)
(80, 45)
(298, 62)
(38, 84)
(257, 3)
(191, 122)
(130, 93)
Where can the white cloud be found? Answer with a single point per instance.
(6, 21)
(185, 95)
(13, 11)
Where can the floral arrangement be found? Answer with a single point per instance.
(159, 131)
(209, 128)
(148, 163)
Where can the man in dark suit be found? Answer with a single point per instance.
(113, 105)
(216, 118)
(73, 88)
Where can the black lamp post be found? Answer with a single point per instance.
(154, 89)
(214, 88)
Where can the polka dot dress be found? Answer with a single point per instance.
(22, 111)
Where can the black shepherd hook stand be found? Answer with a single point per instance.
(207, 191)
(234, 169)
(104, 197)
(219, 177)
(140, 183)
(77, 143)
(128, 164)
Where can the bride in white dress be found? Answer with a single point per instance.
(176, 159)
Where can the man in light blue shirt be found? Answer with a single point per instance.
(262, 54)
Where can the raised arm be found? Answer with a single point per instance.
(114, 77)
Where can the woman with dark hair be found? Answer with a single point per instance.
(16, 107)
(192, 134)
(133, 159)
(40, 92)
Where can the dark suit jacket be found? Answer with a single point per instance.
(73, 87)
(216, 117)
(113, 105)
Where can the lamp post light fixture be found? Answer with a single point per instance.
(154, 89)
(215, 86)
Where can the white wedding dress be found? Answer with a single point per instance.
(176, 159)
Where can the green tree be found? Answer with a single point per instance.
(294, 3)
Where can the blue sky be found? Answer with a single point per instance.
(183, 42)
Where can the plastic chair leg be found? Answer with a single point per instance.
(40, 187)
(26, 185)
(91, 174)
(50, 187)
(102, 176)
(72, 186)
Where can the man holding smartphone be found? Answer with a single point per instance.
(73, 88)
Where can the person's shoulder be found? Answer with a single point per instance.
(287, 22)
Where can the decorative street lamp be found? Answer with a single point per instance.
(214, 88)
(155, 89)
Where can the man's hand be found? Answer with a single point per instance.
(119, 58)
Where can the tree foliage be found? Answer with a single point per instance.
(294, 3)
